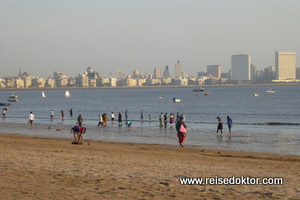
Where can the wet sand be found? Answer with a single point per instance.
(52, 168)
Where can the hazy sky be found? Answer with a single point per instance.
(40, 37)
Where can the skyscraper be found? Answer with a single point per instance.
(166, 72)
(178, 70)
(285, 65)
(214, 70)
(157, 73)
(120, 73)
(241, 67)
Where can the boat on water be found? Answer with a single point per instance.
(43, 94)
(4, 104)
(206, 93)
(176, 100)
(160, 97)
(270, 91)
(255, 95)
(67, 94)
(12, 98)
(200, 89)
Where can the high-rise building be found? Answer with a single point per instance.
(166, 72)
(214, 70)
(135, 73)
(91, 73)
(157, 73)
(178, 70)
(241, 67)
(120, 73)
(285, 65)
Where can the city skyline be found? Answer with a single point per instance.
(42, 37)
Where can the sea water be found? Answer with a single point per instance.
(266, 123)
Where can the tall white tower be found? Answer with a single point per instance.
(241, 67)
(285, 64)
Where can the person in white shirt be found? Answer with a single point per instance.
(31, 119)
(112, 116)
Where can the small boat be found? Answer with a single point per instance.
(270, 91)
(67, 94)
(206, 93)
(255, 95)
(43, 94)
(159, 97)
(12, 98)
(200, 89)
(4, 104)
(176, 100)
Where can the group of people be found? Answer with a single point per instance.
(181, 128)
(103, 119)
(77, 132)
(179, 120)
(61, 112)
(163, 119)
(220, 125)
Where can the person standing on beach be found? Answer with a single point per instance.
(112, 117)
(71, 112)
(220, 125)
(229, 123)
(51, 114)
(142, 115)
(31, 118)
(165, 119)
(150, 118)
(161, 118)
(126, 116)
(79, 120)
(62, 114)
(171, 118)
(105, 118)
(120, 119)
(177, 117)
(100, 121)
(181, 131)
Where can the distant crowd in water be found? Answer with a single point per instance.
(164, 119)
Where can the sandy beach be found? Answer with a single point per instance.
(53, 168)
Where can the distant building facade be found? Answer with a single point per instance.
(214, 70)
(178, 70)
(166, 72)
(157, 73)
(285, 65)
(241, 67)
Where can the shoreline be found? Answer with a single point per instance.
(260, 142)
(198, 148)
(53, 168)
(149, 87)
